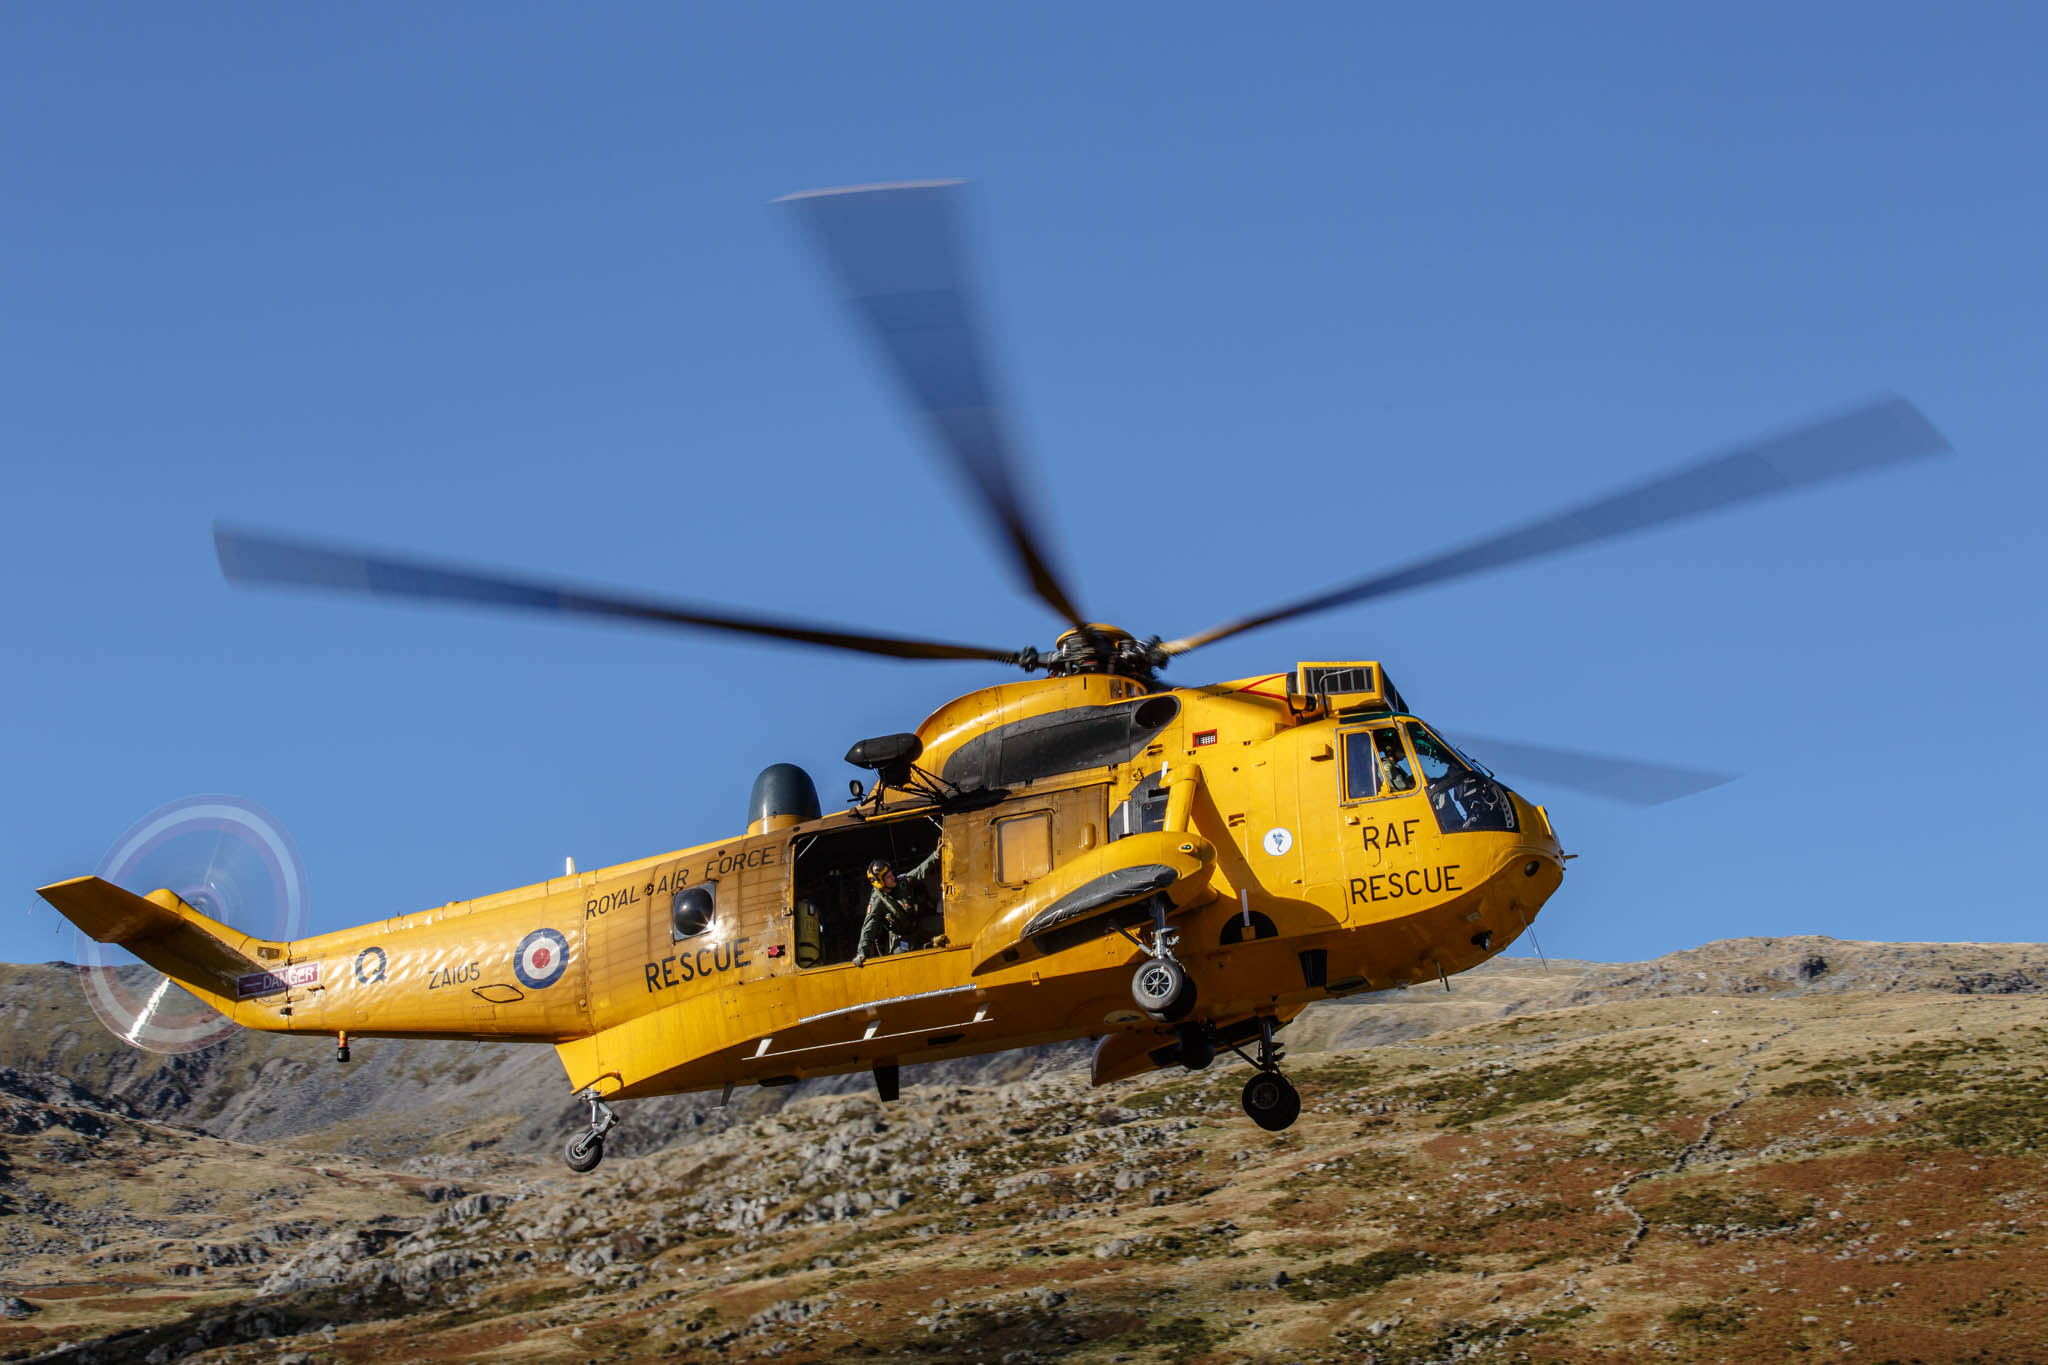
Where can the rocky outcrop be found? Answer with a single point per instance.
(1808, 964)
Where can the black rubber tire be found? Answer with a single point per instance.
(1271, 1101)
(582, 1152)
(1161, 987)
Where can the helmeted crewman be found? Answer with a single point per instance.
(891, 917)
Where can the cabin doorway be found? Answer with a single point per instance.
(830, 874)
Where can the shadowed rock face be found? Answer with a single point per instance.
(1757, 1149)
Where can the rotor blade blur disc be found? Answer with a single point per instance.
(1621, 779)
(1886, 432)
(895, 249)
(228, 859)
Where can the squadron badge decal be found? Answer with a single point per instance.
(541, 957)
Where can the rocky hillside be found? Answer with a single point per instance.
(393, 1099)
(1768, 1150)
(403, 1098)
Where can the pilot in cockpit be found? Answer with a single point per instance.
(1395, 774)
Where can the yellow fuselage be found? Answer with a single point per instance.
(1314, 892)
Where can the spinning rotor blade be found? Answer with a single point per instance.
(252, 557)
(1621, 779)
(1886, 432)
(896, 251)
(226, 858)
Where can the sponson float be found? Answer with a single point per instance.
(1175, 872)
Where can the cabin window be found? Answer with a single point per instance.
(1023, 847)
(692, 911)
(1376, 764)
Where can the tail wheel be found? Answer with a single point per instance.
(583, 1152)
(1162, 989)
(1271, 1101)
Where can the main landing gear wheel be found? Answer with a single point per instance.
(1271, 1101)
(1162, 989)
(583, 1151)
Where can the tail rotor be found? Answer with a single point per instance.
(225, 857)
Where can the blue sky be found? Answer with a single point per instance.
(1281, 298)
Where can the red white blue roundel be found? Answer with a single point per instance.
(541, 958)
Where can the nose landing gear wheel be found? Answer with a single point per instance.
(1162, 989)
(1271, 1101)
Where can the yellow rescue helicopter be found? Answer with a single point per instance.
(1090, 852)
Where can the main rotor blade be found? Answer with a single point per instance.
(896, 251)
(1622, 779)
(253, 557)
(1885, 432)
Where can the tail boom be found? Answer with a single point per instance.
(206, 957)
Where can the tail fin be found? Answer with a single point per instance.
(201, 954)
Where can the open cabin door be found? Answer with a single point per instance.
(830, 888)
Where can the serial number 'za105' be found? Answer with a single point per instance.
(452, 976)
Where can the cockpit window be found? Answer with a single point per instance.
(1464, 800)
(1438, 762)
(1359, 782)
(1395, 774)
(1376, 764)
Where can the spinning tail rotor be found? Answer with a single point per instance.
(226, 858)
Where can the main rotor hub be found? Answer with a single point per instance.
(1100, 648)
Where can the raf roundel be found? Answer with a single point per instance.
(541, 957)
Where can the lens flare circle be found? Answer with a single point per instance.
(227, 858)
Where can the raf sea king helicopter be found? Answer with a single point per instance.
(1175, 871)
